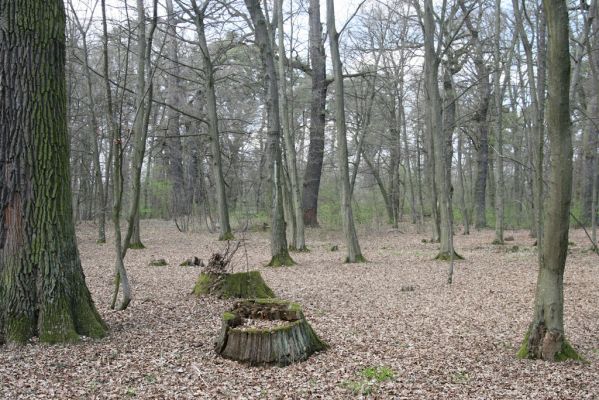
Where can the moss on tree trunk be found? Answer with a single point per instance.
(42, 286)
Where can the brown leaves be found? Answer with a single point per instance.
(439, 341)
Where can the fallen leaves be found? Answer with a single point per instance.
(438, 341)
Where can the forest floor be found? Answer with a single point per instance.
(437, 341)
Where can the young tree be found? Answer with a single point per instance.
(545, 338)
(299, 242)
(42, 286)
(278, 241)
(354, 254)
(199, 15)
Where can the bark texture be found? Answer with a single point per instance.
(317, 118)
(546, 338)
(354, 254)
(278, 238)
(42, 286)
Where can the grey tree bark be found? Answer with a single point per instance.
(217, 165)
(278, 239)
(313, 169)
(296, 199)
(354, 254)
(546, 337)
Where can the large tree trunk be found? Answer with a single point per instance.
(545, 338)
(317, 118)
(278, 239)
(42, 286)
(217, 165)
(354, 254)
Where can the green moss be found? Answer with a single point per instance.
(87, 320)
(523, 351)
(497, 242)
(202, 285)
(280, 260)
(359, 259)
(290, 305)
(445, 256)
(239, 285)
(19, 329)
(161, 262)
(226, 236)
(228, 316)
(57, 324)
(568, 353)
(101, 241)
(136, 246)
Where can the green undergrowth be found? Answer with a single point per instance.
(370, 378)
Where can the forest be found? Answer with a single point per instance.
(296, 199)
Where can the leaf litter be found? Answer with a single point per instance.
(434, 341)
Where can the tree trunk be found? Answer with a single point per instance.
(42, 286)
(278, 239)
(217, 165)
(117, 178)
(317, 118)
(140, 131)
(299, 243)
(545, 338)
(354, 254)
(179, 196)
(500, 186)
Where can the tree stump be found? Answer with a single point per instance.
(267, 331)
(241, 285)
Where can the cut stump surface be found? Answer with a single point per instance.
(286, 339)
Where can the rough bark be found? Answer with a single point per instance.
(278, 238)
(42, 286)
(546, 338)
(354, 254)
(313, 169)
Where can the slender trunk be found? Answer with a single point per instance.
(546, 338)
(500, 186)
(299, 243)
(121, 277)
(217, 165)
(179, 196)
(354, 254)
(278, 242)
